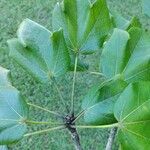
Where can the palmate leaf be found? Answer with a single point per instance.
(98, 104)
(132, 111)
(13, 111)
(113, 55)
(85, 23)
(131, 59)
(125, 55)
(42, 53)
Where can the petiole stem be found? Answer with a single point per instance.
(97, 127)
(111, 138)
(73, 85)
(37, 122)
(44, 109)
(79, 116)
(44, 131)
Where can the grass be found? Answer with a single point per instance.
(11, 15)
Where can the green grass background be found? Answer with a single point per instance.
(12, 12)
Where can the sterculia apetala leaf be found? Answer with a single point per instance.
(41, 53)
(125, 59)
(128, 57)
(132, 111)
(99, 102)
(13, 111)
(85, 23)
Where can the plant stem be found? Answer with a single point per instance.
(44, 109)
(75, 138)
(60, 94)
(111, 138)
(44, 131)
(73, 85)
(97, 127)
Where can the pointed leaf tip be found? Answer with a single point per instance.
(4, 77)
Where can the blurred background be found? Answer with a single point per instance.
(12, 13)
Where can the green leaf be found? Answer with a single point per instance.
(138, 66)
(4, 77)
(146, 7)
(133, 114)
(124, 57)
(122, 23)
(101, 113)
(99, 102)
(119, 21)
(13, 112)
(113, 56)
(128, 57)
(40, 52)
(3, 147)
(85, 23)
(135, 35)
(134, 22)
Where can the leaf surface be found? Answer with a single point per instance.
(122, 23)
(85, 23)
(127, 56)
(3, 147)
(13, 111)
(113, 56)
(99, 102)
(146, 7)
(4, 77)
(42, 53)
(133, 114)
(138, 66)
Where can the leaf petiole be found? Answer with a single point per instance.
(97, 127)
(73, 84)
(37, 122)
(44, 131)
(79, 116)
(45, 109)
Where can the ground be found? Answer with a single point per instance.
(12, 12)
